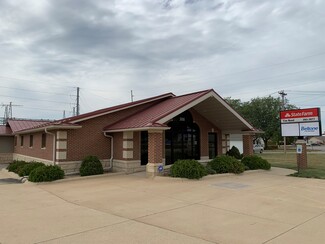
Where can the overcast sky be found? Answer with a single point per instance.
(241, 49)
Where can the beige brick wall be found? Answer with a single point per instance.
(6, 158)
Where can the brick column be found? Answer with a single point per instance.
(248, 145)
(61, 146)
(225, 143)
(302, 157)
(128, 145)
(155, 152)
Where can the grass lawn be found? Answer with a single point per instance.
(316, 163)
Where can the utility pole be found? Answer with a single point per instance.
(78, 102)
(8, 111)
(132, 96)
(283, 94)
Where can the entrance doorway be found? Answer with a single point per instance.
(144, 147)
(182, 141)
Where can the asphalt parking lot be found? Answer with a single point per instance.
(255, 207)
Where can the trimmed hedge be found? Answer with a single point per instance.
(256, 162)
(16, 165)
(188, 168)
(46, 173)
(29, 167)
(91, 165)
(234, 152)
(226, 164)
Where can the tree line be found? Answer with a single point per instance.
(264, 114)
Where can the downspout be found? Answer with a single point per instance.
(54, 154)
(112, 151)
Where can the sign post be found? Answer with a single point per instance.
(301, 123)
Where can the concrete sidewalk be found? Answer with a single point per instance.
(255, 207)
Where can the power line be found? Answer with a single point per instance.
(21, 89)
(34, 99)
(45, 109)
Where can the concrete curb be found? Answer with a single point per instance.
(78, 177)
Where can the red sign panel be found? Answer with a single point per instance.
(299, 115)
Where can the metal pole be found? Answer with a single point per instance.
(78, 97)
(283, 94)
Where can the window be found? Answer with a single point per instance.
(182, 141)
(15, 141)
(43, 140)
(212, 145)
(21, 141)
(31, 140)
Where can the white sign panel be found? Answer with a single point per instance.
(299, 149)
(290, 129)
(309, 129)
(301, 122)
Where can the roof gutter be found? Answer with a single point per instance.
(51, 127)
(138, 129)
(54, 154)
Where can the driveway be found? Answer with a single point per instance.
(255, 207)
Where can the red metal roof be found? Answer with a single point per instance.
(18, 125)
(150, 116)
(114, 108)
(5, 130)
(27, 125)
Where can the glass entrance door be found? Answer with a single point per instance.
(183, 139)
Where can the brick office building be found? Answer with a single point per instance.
(136, 136)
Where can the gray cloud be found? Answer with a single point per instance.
(240, 48)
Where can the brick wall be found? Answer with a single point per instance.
(206, 127)
(36, 151)
(93, 140)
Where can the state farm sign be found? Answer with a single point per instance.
(301, 122)
(299, 115)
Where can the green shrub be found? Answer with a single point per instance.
(256, 162)
(16, 165)
(234, 152)
(46, 173)
(91, 166)
(188, 168)
(209, 170)
(226, 164)
(29, 167)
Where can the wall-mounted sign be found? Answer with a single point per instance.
(160, 168)
(301, 122)
(299, 149)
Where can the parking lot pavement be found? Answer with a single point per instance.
(255, 207)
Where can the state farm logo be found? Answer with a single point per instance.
(287, 115)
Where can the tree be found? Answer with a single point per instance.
(263, 113)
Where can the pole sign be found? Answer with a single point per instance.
(301, 122)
